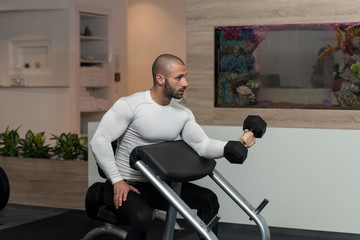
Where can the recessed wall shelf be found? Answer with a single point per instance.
(93, 67)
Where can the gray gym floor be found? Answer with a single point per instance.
(14, 214)
(42, 223)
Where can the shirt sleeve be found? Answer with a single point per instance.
(195, 136)
(112, 125)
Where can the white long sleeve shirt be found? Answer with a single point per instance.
(141, 121)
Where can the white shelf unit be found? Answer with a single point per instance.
(94, 68)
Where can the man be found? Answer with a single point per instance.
(147, 118)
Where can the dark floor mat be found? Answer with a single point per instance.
(74, 224)
(71, 225)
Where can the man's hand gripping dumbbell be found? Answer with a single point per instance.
(236, 151)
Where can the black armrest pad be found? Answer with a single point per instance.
(173, 161)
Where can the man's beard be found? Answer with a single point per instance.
(172, 92)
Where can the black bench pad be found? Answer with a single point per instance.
(173, 161)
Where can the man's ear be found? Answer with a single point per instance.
(160, 79)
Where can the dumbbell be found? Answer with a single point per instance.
(235, 151)
(256, 125)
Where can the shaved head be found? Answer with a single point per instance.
(162, 64)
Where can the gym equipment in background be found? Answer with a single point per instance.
(4, 189)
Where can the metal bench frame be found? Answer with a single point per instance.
(177, 203)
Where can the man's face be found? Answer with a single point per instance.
(175, 83)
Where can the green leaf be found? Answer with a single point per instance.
(29, 134)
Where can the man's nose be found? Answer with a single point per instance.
(185, 83)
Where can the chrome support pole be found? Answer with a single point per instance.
(242, 203)
(176, 201)
(171, 214)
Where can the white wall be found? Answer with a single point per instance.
(310, 176)
(55, 110)
(36, 109)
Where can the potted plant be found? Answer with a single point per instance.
(69, 146)
(9, 143)
(44, 175)
(33, 146)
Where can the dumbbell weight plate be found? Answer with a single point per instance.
(235, 152)
(256, 124)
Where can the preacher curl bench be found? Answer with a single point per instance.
(176, 162)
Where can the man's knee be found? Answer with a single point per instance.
(212, 200)
(143, 217)
(200, 197)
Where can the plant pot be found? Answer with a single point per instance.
(45, 182)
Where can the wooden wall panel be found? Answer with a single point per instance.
(204, 15)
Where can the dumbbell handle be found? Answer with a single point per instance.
(244, 143)
(250, 130)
